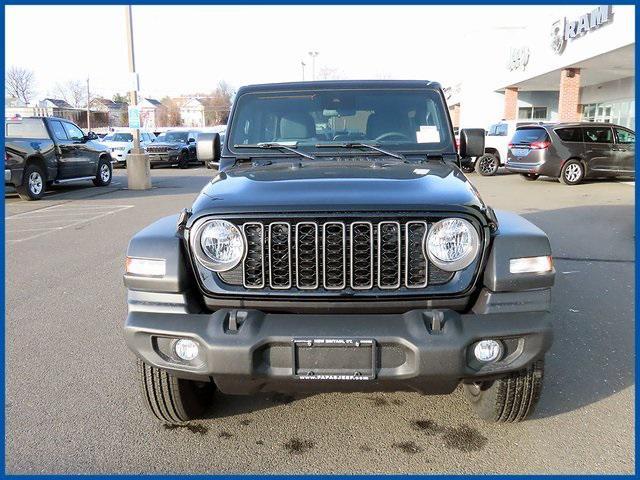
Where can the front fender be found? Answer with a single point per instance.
(160, 240)
(516, 237)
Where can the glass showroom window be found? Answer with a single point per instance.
(621, 113)
(532, 113)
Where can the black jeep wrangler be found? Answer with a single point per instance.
(340, 248)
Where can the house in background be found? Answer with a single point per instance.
(152, 113)
(116, 111)
(192, 111)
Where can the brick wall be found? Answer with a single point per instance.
(454, 111)
(569, 99)
(510, 103)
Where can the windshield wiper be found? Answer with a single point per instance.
(372, 146)
(289, 147)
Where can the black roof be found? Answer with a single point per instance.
(338, 84)
(569, 124)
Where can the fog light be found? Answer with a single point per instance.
(186, 349)
(488, 350)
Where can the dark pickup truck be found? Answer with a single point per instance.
(339, 248)
(44, 151)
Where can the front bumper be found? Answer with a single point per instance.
(162, 158)
(250, 351)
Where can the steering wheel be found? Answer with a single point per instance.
(388, 135)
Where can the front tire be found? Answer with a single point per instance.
(105, 173)
(33, 183)
(173, 400)
(488, 165)
(183, 162)
(572, 172)
(509, 399)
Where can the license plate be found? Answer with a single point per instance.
(519, 152)
(351, 359)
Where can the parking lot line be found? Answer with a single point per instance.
(63, 216)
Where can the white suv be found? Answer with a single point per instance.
(120, 144)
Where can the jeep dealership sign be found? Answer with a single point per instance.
(564, 30)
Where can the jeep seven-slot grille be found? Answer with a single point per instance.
(335, 255)
(156, 149)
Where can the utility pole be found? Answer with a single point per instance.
(302, 64)
(313, 54)
(133, 94)
(88, 110)
(138, 168)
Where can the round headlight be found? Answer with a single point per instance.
(452, 244)
(219, 245)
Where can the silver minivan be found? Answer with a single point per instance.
(572, 152)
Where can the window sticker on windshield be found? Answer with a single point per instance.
(428, 134)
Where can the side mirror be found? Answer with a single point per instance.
(192, 140)
(471, 142)
(208, 147)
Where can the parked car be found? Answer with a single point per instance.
(120, 144)
(496, 148)
(573, 152)
(325, 263)
(173, 147)
(44, 151)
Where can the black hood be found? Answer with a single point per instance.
(329, 185)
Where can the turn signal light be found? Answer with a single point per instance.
(145, 267)
(531, 264)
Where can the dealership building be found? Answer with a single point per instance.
(567, 64)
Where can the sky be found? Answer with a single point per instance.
(182, 50)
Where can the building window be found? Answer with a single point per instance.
(621, 113)
(532, 113)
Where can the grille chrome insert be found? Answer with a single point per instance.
(307, 261)
(253, 274)
(334, 255)
(389, 252)
(280, 255)
(361, 257)
(416, 274)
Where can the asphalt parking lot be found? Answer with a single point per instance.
(72, 402)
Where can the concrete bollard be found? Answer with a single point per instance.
(138, 171)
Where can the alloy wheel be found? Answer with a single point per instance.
(35, 183)
(488, 165)
(105, 173)
(573, 172)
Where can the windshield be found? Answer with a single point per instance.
(173, 137)
(118, 137)
(401, 120)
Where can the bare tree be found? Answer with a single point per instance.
(19, 83)
(169, 114)
(218, 104)
(74, 92)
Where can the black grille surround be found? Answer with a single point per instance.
(338, 256)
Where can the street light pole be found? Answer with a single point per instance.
(138, 167)
(133, 94)
(313, 54)
(302, 64)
